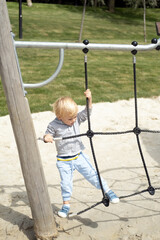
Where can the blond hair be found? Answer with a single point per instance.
(65, 106)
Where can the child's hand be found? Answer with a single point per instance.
(88, 94)
(48, 138)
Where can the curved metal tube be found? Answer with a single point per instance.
(41, 84)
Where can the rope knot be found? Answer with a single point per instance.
(105, 201)
(90, 133)
(151, 190)
(137, 130)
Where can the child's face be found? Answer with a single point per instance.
(68, 120)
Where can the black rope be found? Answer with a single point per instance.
(89, 208)
(90, 133)
(86, 87)
(137, 129)
(143, 161)
(75, 136)
(150, 131)
(111, 133)
(135, 88)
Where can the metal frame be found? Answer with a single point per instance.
(91, 46)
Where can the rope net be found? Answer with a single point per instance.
(136, 130)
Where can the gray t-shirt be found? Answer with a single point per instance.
(71, 146)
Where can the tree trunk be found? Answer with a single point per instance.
(95, 3)
(44, 223)
(111, 5)
(29, 3)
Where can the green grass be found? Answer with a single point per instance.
(110, 73)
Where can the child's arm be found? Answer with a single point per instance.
(88, 95)
(48, 138)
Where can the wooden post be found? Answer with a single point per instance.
(44, 222)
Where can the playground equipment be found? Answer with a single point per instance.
(44, 223)
(86, 46)
(91, 46)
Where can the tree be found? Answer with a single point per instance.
(140, 3)
(29, 3)
(96, 3)
(111, 5)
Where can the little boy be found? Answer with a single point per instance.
(69, 151)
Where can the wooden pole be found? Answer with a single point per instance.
(44, 222)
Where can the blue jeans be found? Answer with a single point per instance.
(83, 166)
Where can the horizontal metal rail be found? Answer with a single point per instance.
(91, 46)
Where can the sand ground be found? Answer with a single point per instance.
(119, 162)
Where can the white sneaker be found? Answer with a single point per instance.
(64, 211)
(112, 196)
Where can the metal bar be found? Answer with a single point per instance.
(91, 46)
(54, 139)
(41, 84)
(20, 75)
(20, 19)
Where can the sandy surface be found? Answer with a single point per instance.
(119, 161)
